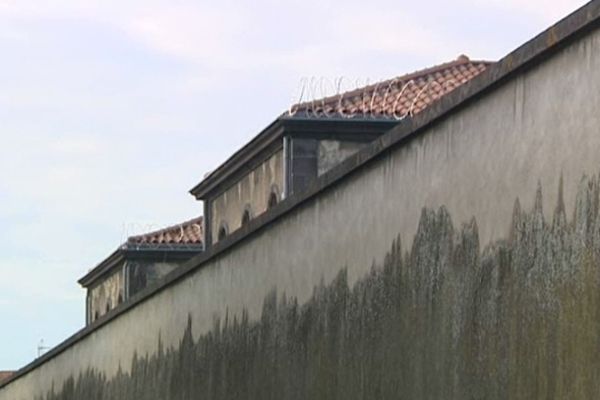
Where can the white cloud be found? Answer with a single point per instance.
(205, 34)
(214, 35)
(392, 31)
(78, 146)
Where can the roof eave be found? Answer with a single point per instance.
(132, 248)
(260, 141)
(128, 251)
(275, 131)
(106, 265)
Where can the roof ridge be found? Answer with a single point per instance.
(462, 59)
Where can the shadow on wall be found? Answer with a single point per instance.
(518, 320)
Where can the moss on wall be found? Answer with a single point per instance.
(444, 319)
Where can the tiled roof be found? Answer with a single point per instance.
(5, 375)
(180, 240)
(189, 232)
(398, 97)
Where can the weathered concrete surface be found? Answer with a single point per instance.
(126, 279)
(145, 273)
(516, 320)
(227, 208)
(333, 152)
(444, 320)
(105, 296)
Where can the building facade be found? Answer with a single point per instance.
(139, 263)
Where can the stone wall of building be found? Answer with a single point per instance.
(106, 295)
(333, 152)
(142, 274)
(250, 194)
(462, 263)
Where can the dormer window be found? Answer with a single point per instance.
(138, 263)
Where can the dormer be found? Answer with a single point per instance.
(312, 138)
(138, 263)
(283, 159)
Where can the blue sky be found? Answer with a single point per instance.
(111, 110)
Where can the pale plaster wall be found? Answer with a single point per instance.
(106, 294)
(253, 190)
(333, 152)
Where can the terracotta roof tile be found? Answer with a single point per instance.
(5, 375)
(188, 232)
(398, 97)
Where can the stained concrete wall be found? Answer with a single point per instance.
(462, 264)
(251, 192)
(334, 152)
(105, 296)
(145, 273)
(116, 287)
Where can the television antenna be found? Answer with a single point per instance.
(41, 349)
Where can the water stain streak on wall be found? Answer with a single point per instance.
(445, 319)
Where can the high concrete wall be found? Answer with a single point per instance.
(461, 264)
(251, 192)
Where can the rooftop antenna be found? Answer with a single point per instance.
(41, 349)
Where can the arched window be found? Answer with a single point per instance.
(120, 299)
(246, 215)
(108, 306)
(95, 316)
(272, 200)
(273, 197)
(223, 231)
